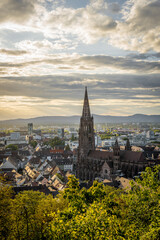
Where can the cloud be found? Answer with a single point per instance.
(45, 45)
(139, 31)
(114, 7)
(71, 86)
(32, 45)
(63, 95)
(13, 52)
(47, 77)
(144, 56)
(120, 63)
(18, 11)
(78, 62)
(89, 23)
(114, 94)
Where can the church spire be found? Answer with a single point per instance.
(116, 143)
(86, 140)
(86, 108)
(128, 146)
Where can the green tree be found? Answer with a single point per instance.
(100, 212)
(5, 208)
(33, 143)
(71, 192)
(46, 210)
(60, 177)
(12, 147)
(150, 178)
(24, 222)
(125, 138)
(56, 142)
(73, 138)
(67, 148)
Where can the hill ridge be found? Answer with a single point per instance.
(51, 120)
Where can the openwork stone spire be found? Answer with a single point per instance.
(86, 108)
(128, 146)
(116, 143)
(86, 130)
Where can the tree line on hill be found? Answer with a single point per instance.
(100, 212)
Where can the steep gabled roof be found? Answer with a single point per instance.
(100, 155)
(7, 166)
(35, 160)
(132, 156)
(14, 159)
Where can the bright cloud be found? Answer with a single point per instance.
(89, 24)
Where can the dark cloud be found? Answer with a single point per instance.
(101, 86)
(120, 63)
(90, 62)
(147, 17)
(17, 11)
(144, 56)
(13, 52)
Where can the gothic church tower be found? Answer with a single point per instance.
(86, 131)
(86, 134)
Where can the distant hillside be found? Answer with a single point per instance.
(60, 120)
(137, 118)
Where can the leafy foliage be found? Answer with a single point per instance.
(60, 177)
(56, 141)
(12, 147)
(33, 143)
(96, 213)
(73, 138)
(5, 207)
(67, 148)
(105, 136)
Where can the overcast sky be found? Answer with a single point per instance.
(51, 49)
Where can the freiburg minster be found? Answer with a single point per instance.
(94, 163)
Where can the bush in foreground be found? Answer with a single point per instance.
(97, 213)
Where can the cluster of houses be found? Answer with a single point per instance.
(46, 169)
(42, 168)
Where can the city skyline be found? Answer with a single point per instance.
(50, 50)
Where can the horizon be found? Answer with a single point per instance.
(51, 50)
(94, 114)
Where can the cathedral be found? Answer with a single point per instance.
(94, 163)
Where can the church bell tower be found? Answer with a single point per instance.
(86, 136)
(86, 130)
